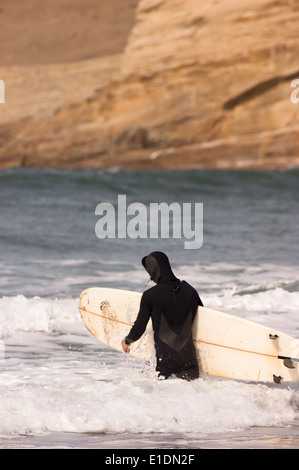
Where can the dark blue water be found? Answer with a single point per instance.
(48, 216)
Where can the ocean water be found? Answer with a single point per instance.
(60, 387)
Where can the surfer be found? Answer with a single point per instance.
(172, 306)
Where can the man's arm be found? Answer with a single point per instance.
(139, 326)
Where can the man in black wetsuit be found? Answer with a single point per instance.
(172, 305)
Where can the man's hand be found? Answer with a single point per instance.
(126, 347)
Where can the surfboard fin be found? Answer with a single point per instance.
(277, 379)
(273, 336)
(288, 363)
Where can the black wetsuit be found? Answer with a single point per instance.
(172, 306)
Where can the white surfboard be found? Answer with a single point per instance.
(227, 346)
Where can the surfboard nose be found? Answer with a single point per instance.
(83, 300)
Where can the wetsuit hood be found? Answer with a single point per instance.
(158, 267)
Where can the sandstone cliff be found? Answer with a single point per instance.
(200, 84)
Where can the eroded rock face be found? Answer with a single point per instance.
(201, 84)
